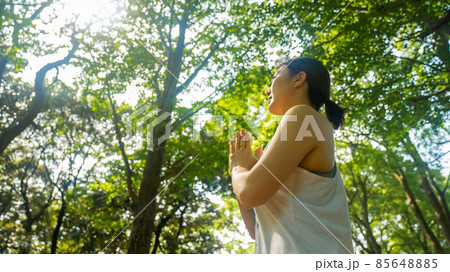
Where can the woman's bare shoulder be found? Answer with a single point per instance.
(318, 118)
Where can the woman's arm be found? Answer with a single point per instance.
(247, 215)
(291, 143)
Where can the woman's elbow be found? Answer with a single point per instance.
(250, 200)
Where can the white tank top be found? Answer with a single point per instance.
(313, 219)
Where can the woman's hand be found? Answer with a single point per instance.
(241, 153)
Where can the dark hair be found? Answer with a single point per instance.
(318, 80)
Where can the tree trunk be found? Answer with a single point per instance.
(145, 210)
(3, 62)
(440, 194)
(418, 213)
(364, 223)
(58, 225)
(440, 208)
(143, 226)
(372, 245)
(421, 237)
(438, 211)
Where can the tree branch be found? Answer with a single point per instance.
(129, 172)
(27, 21)
(21, 4)
(155, 83)
(444, 20)
(330, 40)
(174, 63)
(423, 63)
(197, 70)
(16, 30)
(39, 100)
(416, 99)
(161, 36)
(161, 225)
(187, 114)
(172, 11)
(446, 184)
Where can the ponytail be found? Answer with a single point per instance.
(318, 79)
(335, 114)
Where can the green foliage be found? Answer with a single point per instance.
(388, 63)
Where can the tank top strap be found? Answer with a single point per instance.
(330, 174)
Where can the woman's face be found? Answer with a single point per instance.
(280, 90)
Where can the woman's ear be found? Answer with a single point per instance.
(299, 79)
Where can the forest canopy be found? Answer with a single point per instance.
(115, 117)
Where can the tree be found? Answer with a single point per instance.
(164, 39)
(20, 34)
(83, 170)
(388, 66)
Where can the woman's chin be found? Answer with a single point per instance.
(274, 110)
(271, 108)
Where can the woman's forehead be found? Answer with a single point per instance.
(280, 69)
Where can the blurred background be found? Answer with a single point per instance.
(82, 84)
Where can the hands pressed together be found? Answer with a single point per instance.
(241, 152)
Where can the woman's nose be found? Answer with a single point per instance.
(269, 91)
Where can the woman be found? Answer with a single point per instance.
(291, 196)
